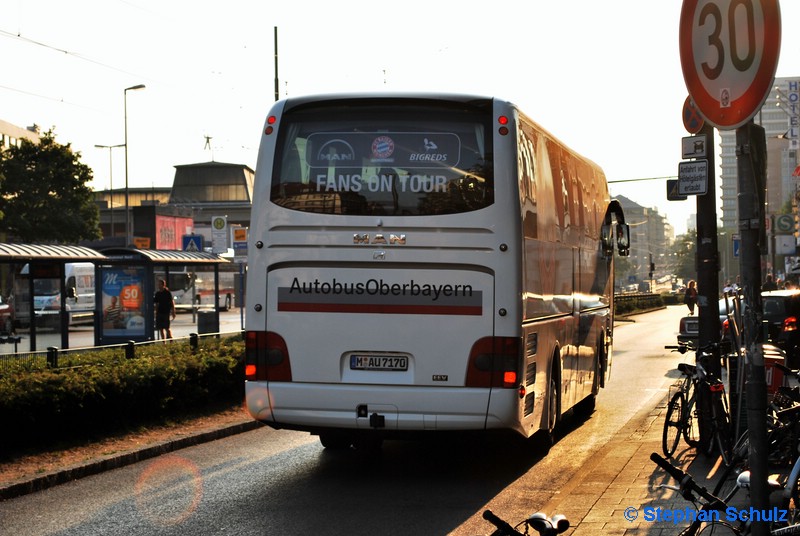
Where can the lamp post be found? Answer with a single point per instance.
(127, 194)
(110, 180)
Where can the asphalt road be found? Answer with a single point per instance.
(281, 482)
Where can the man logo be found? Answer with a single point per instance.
(393, 239)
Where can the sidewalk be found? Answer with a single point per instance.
(621, 476)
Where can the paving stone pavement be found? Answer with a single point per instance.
(621, 476)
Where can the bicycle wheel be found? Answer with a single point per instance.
(726, 487)
(720, 424)
(691, 430)
(718, 528)
(673, 424)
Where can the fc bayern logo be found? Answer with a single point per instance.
(382, 147)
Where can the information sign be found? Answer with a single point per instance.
(693, 147)
(219, 234)
(693, 177)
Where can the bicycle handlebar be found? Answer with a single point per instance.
(539, 522)
(500, 524)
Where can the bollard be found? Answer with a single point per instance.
(130, 350)
(52, 357)
(194, 342)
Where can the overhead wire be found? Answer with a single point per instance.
(64, 51)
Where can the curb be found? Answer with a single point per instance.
(76, 472)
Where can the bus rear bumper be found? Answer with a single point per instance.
(314, 407)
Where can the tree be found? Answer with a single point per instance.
(44, 195)
(684, 252)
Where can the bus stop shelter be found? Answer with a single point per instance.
(125, 286)
(34, 277)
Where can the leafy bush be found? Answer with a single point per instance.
(101, 392)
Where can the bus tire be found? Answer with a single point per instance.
(553, 408)
(227, 306)
(335, 440)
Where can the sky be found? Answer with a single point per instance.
(603, 77)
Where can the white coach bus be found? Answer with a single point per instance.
(424, 263)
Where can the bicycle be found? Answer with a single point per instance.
(539, 522)
(705, 523)
(680, 420)
(720, 437)
(783, 437)
(683, 417)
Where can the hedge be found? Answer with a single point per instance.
(107, 392)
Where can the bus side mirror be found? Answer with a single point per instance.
(623, 239)
(607, 240)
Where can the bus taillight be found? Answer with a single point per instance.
(503, 120)
(271, 120)
(494, 362)
(266, 357)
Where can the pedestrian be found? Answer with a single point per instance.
(769, 284)
(165, 310)
(690, 296)
(728, 289)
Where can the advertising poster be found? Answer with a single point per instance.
(124, 302)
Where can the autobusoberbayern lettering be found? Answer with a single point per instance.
(378, 287)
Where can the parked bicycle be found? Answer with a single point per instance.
(545, 526)
(783, 439)
(720, 423)
(684, 417)
(681, 420)
(717, 524)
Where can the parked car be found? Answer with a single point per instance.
(781, 314)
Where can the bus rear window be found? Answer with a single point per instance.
(387, 160)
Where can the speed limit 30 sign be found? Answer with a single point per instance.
(729, 51)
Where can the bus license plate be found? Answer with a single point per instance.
(378, 362)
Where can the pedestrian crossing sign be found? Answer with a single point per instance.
(193, 243)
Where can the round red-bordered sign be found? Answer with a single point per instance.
(729, 51)
(692, 119)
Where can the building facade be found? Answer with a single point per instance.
(777, 116)
(650, 242)
(10, 135)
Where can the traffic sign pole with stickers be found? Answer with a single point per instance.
(729, 51)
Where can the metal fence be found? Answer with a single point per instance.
(59, 359)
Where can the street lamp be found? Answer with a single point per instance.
(128, 239)
(111, 180)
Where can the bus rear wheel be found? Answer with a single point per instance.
(547, 436)
(335, 440)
